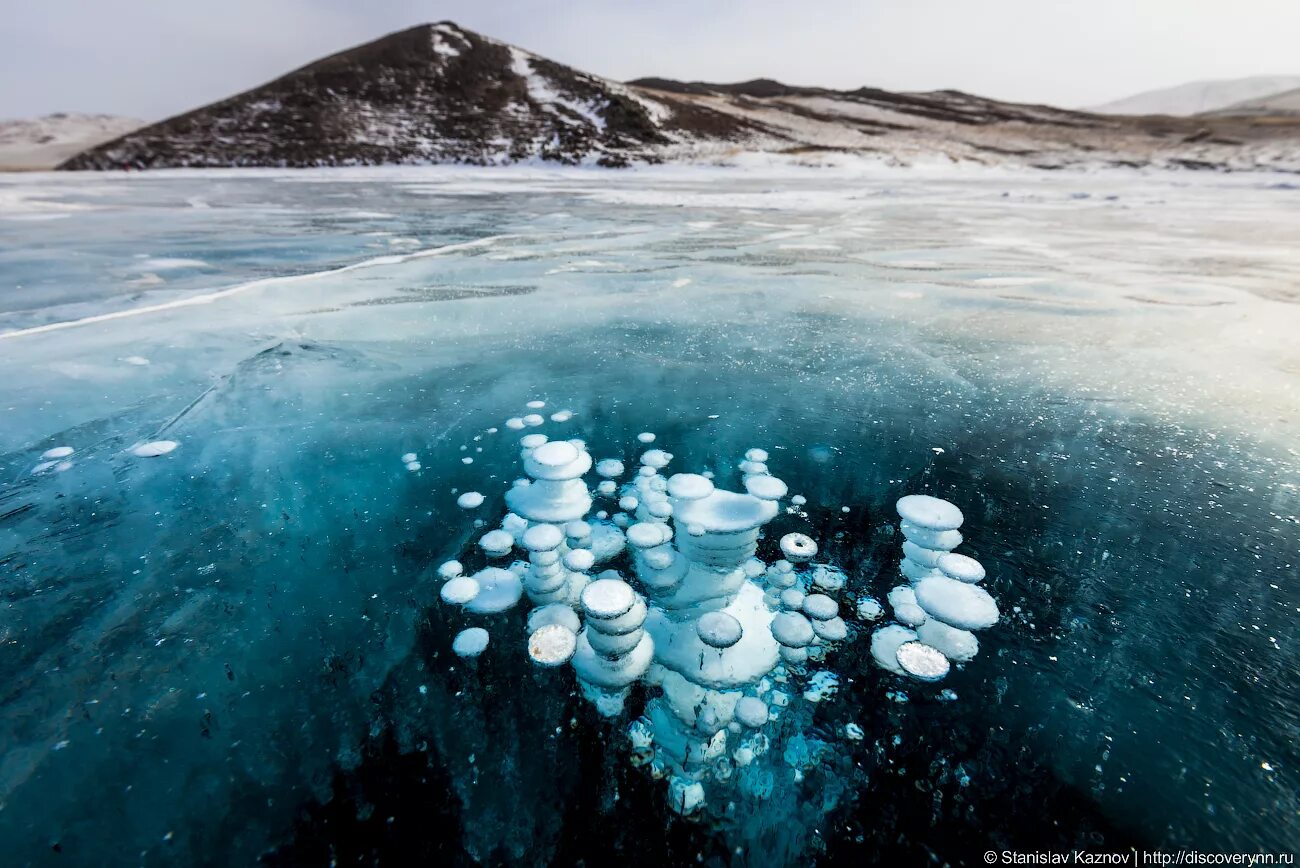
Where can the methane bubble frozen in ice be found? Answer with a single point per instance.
(579, 560)
(961, 568)
(535, 405)
(718, 629)
(607, 598)
(154, 448)
(792, 629)
(460, 590)
(562, 416)
(959, 604)
(656, 458)
(869, 609)
(820, 607)
(959, 646)
(929, 512)
(450, 569)
(409, 457)
(470, 642)
(756, 454)
(646, 437)
(610, 468)
(542, 537)
(765, 487)
(552, 644)
(532, 420)
(498, 590)
(554, 613)
(798, 547)
(910, 614)
(514, 423)
(921, 661)
(56, 453)
(496, 543)
(751, 711)
(885, 643)
(689, 486)
(470, 500)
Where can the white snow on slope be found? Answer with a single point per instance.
(1199, 96)
(44, 142)
(543, 93)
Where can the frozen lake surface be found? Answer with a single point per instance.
(233, 646)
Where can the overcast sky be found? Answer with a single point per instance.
(154, 58)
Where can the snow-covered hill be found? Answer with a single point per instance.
(1199, 96)
(44, 142)
(1286, 103)
(439, 93)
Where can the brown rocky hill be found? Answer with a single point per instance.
(439, 93)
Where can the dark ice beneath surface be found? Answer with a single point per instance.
(235, 652)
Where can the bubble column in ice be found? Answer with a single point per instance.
(613, 649)
(712, 630)
(553, 496)
(929, 527)
(937, 613)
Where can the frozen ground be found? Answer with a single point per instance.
(1099, 369)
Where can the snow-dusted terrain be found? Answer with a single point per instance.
(1199, 96)
(43, 143)
(244, 410)
(440, 93)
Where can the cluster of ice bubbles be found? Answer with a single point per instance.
(720, 633)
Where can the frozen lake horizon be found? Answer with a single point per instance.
(1099, 368)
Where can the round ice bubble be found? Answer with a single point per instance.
(471, 642)
(470, 500)
(607, 598)
(766, 487)
(695, 529)
(921, 661)
(579, 560)
(925, 557)
(499, 590)
(532, 420)
(542, 537)
(57, 452)
(659, 558)
(798, 547)
(460, 590)
(959, 604)
(901, 595)
(792, 629)
(820, 607)
(752, 467)
(929, 512)
(831, 630)
(532, 441)
(154, 448)
(413, 466)
(885, 643)
(556, 453)
(689, 486)
(409, 457)
(552, 644)
(828, 578)
(514, 423)
(450, 569)
(961, 568)
(610, 468)
(756, 455)
(656, 458)
(869, 609)
(535, 405)
(647, 534)
(577, 530)
(946, 540)
(661, 509)
(718, 629)
(959, 646)
(646, 437)
(607, 487)
(792, 599)
(628, 503)
(554, 613)
(910, 614)
(751, 711)
(562, 416)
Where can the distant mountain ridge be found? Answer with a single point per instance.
(439, 93)
(1198, 97)
(44, 142)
